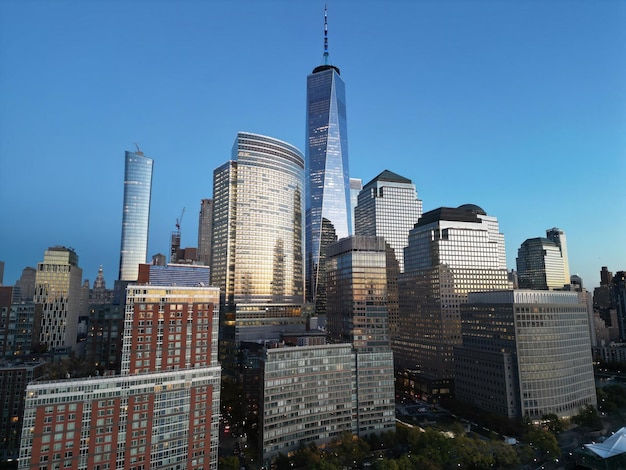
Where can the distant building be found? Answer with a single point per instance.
(388, 207)
(25, 286)
(174, 275)
(356, 185)
(540, 265)
(606, 276)
(205, 231)
(451, 252)
(618, 301)
(19, 326)
(99, 294)
(161, 412)
(14, 377)
(58, 295)
(136, 214)
(525, 353)
(104, 337)
(558, 237)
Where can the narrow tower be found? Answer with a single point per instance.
(327, 176)
(136, 214)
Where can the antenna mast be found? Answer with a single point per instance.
(325, 35)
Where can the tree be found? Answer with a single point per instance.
(544, 441)
(552, 423)
(229, 463)
(588, 417)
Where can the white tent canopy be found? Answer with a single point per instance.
(614, 445)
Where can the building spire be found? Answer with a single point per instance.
(325, 35)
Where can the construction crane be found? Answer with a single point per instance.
(180, 220)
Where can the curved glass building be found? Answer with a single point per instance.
(328, 212)
(258, 236)
(136, 215)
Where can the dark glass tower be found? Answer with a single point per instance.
(328, 180)
(136, 216)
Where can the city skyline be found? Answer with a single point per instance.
(517, 107)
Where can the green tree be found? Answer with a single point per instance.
(229, 463)
(588, 417)
(552, 423)
(544, 441)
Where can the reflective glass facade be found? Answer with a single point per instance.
(388, 207)
(558, 237)
(540, 265)
(451, 252)
(258, 245)
(136, 214)
(327, 174)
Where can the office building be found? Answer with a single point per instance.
(525, 353)
(14, 377)
(161, 412)
(25, 285)
(205, 231)
(618, 301)
(58, 296)
(558, 237)
(388, 207)
(327, 173)
(356, 185)
(451, 252)
(540, 265)
(136, 214)
(257, 252)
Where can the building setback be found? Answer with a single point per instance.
(525, 353)
(451, 252)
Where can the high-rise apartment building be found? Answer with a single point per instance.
(58, 298)
(558, 237)
(525, 353)
(327, 173)
(451, 252)
(136, 214)
(388, 207)
(257, 255)
(205, 231)
(161, 412)
(540, 265)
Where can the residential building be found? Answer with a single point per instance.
(451, 252)
(540, 265)
(58, 295)
(257, 252)
(161, 412)
(388, 207)
(327, 173)
(205, 231)
(135, 214)
(525, 353)
(14, 377)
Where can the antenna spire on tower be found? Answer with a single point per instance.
(325, 35)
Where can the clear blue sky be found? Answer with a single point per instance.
(517, 106)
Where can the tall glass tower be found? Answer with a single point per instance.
(136, 215)
(327, 177)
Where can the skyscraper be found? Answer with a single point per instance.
(205, 230)
(540, 265)
(58, 297)
(356, 185)
(388, 207)
(136, 214)
(257, 237)
(327, 173)
(451, 251)
(558, 237)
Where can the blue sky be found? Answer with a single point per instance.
(517, 106)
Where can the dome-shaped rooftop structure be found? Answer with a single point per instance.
(472, 208)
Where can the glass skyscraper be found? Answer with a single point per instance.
(388, 207)
(257, 255)
(540, 265)
(136, 214)
(327, 174)
(451, 252)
